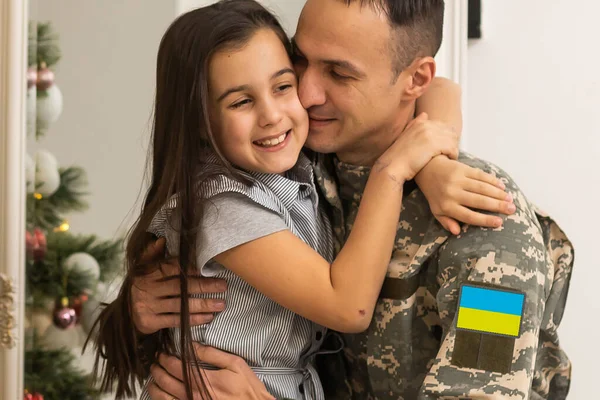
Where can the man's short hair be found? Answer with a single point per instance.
(417, 27)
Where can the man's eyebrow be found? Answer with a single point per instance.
(347, 65)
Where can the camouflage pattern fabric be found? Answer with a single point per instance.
(407, 352)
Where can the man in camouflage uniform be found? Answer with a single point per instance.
(413, 349)
(409, 351)
(362, 65)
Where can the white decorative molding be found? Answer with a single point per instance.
(452, 56)
(7, 312)
(13, 68)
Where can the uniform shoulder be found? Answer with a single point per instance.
(521, 201)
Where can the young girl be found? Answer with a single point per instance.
(235, 198)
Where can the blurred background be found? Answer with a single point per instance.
(530, 88)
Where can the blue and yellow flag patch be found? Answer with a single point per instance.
(490, 310)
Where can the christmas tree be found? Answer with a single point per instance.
(66, 273)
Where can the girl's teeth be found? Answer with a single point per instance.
(273, 142)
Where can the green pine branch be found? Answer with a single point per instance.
(48, 212)
(52, 374)
(48, 279)
(69, 196)
(106, 252)
(47, 45)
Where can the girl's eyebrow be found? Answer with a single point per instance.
(242, 88)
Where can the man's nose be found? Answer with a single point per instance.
(310, 89)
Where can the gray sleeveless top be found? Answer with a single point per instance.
(278, 344)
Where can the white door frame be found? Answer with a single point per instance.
(452, 56)
(13, 69)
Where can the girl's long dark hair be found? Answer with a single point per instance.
(180, 135)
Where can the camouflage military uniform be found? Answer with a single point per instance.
(409, 350)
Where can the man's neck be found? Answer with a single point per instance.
(365, 152)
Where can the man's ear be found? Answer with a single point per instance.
(422, 72)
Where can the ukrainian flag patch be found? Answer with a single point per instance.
(490, 310)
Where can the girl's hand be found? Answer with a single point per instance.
(454, 189)
(416, 146)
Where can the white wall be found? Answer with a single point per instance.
(107, 76)
(288, 11)
(532, 97)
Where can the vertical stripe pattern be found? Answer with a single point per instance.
(277, 343)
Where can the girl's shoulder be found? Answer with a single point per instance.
(218, 192)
